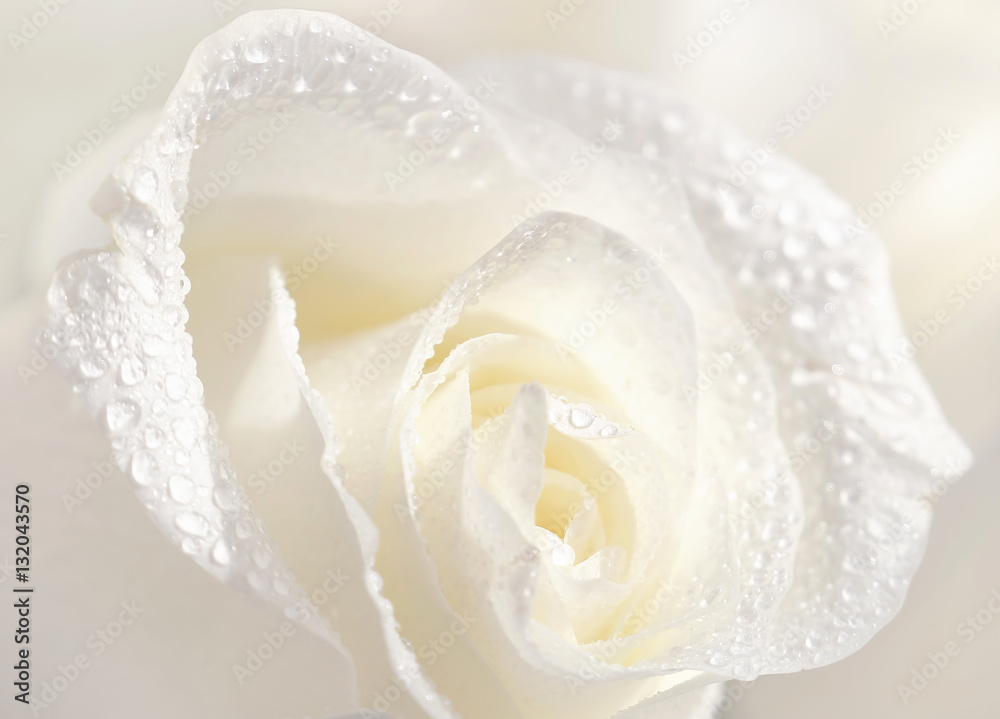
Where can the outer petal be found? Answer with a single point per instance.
(93, 548)
(119, 317)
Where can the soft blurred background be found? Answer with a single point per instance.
(899, 73)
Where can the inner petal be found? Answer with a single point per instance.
(562, 497)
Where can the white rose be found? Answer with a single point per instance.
(653, 435)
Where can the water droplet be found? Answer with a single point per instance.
(192, 523)
(363, 76)
(181, 489)
(719, 660)
(175, 386)
(795, 247)
(258, 50)
(788, 213)
(225, 497)
(92, 367)
(154, 437)
(221, 552)
(152, 346)
(144, 184)
(345, 53)
(764, 601)
(803, 318)
(262, 557)
(771, 530)
(121, 416)
(563, 555)
(143, 468)
(257, 580)
(183, 430)
(132, 371)
(838, 369)
(836, 280)
(581, 416)
(414, 88)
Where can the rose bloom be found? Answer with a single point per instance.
(504, 385)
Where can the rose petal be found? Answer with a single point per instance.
(93, 543)
(538, 671)
(831, 355)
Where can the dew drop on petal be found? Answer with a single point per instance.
(181, 489)
(563, 555)
(175, 386)
(183, 430)
(192, 523)
(262, 557)
(153, 437)
(221, 552)
(121, 416)
(132, 371)
(143, 468)
(257, 580)
(91, 367)
(225, 497)
(581, 417)
(258, 50)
